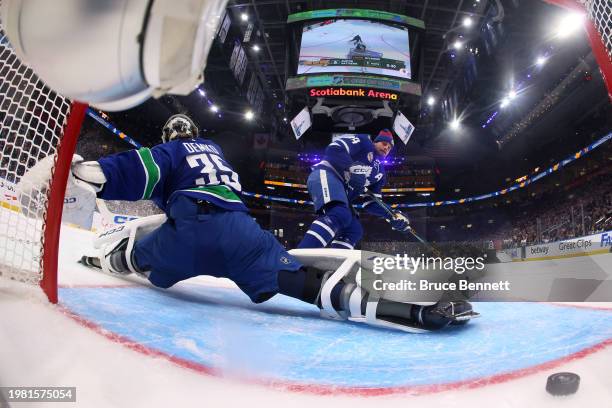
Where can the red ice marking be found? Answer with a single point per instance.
(319, 389)
(581, 306)
(99, 285)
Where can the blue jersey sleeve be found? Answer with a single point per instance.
(135, 174)
(341, 152)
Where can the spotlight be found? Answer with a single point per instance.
(214, 108)
(568, 24)
(244, 17)
(431, 100)
(540, 61)
(505, 102)
(467, 22)
(256, 48)
(512, 94)
(455, 124)
(457, 45)
(249, 115)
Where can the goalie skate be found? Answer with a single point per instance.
(118, 261)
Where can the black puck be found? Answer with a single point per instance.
(562, 384)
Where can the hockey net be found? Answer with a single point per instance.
(37, 127)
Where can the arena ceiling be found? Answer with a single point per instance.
(524, 24)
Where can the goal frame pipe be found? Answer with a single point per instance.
(602, 56)
(57, 191)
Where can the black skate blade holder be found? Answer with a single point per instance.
(457, 316)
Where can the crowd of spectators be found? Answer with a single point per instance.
(582, 211)
(399, 176)
(580, 205)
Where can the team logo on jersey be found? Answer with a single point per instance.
(370, 156)
(285, 260)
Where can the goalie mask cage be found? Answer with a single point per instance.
(36, 123)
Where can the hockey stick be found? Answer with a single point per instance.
(392, 214)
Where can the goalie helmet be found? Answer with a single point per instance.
(114, 54)
(179, 126)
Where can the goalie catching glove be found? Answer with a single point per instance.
(84, 181)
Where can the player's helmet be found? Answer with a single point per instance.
(179, 126)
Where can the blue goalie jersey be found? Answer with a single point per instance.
(183, 167)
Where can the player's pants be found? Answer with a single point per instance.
(337, 225)
(207, 240)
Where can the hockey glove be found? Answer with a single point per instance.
(358, 175)
(399, 222)
(88, 172)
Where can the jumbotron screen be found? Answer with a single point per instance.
(355, 46)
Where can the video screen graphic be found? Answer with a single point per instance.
(355, 46)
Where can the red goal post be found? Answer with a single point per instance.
(599, 30)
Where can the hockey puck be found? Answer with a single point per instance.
(562, 384)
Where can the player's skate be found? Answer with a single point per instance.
(455, 313)
(358, 305)
(116, 261)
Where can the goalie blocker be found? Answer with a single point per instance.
(329, 278)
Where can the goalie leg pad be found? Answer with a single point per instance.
(117, 245)
(341, 297)
(119, 260)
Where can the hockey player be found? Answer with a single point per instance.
(358, 43)
(350, 165)
(209, 232)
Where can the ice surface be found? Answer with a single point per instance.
(204, 344)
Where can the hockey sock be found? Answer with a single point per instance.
(341, 244)
(320, 233)
(324, 228)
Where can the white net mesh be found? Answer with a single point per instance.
(600, 12)
(32, 118)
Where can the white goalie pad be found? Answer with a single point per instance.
(133, 230)
(340, 263)
(348, 265)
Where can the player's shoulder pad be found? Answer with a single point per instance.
(210, 142)
(365, 140)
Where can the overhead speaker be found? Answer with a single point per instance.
(352, 116)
